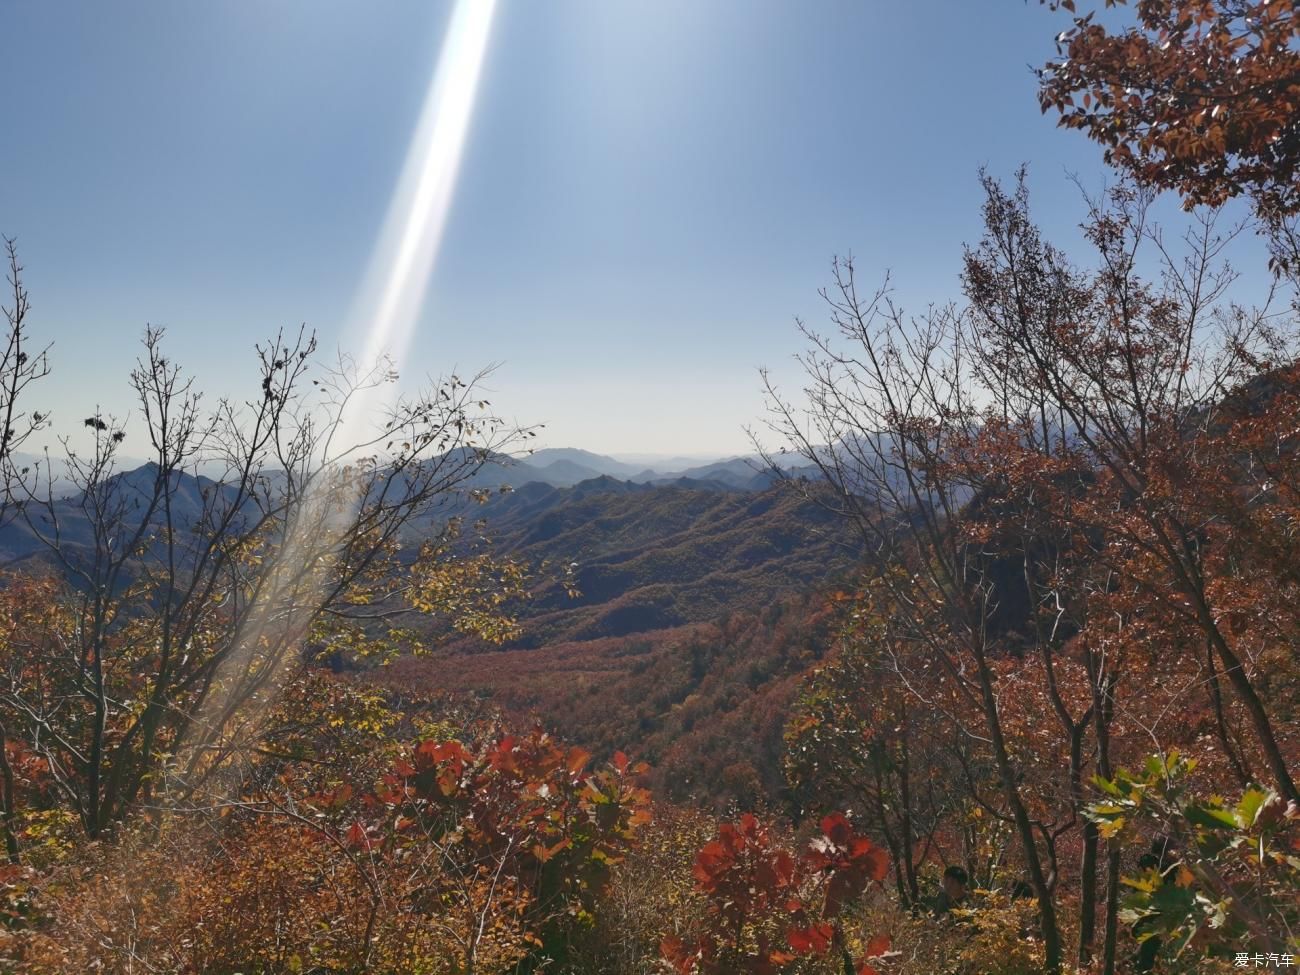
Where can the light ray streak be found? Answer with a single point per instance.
(392, 297)
(408, 246)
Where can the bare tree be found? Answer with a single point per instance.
(21, 365)
(196, 584)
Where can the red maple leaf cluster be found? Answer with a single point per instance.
(769, 905)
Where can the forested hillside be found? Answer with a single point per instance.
(647, 557)
(705, 704)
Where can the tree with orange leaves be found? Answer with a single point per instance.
(1200, 96)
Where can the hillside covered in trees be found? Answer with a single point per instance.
(635, 558)
(994, 668)
(706, 703)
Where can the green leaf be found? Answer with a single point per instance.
(1107, 786)
(1210, 817)
(1249, 806)
(1108, 810)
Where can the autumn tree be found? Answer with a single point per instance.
(883, 751)
(22, 363)
(261, 534)
(1146, 389)
(483, 852)
(1200, 97)
(1075, 459)
(884, 413)
(519, 825)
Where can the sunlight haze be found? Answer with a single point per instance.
(650, 192)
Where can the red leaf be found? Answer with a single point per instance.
(357, 835)
(813, 940)
(678, 955)
(837, 828)
(403, 768)
(878, 867)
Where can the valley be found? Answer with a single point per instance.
(698, 607)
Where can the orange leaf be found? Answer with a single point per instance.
(877, 945)
(577, 760)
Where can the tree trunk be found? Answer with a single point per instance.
(1088, 894)
(1111, 937)
(1241, 684)
(1221, 721)
(1237, 676)
(1020, 815)
(909, 833)
(7, 809)
(1103, 689)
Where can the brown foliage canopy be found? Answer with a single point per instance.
(1200, 96)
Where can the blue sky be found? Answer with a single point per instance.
(650, 193)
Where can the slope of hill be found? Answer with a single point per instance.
(126, 494)
(649, 557)
(737, 472)
(598, 464)
(704, 704)
(687, 639)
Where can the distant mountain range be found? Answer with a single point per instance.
(568, 466)
(556, 466)
(580, 473)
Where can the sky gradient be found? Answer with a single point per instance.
(650, 193)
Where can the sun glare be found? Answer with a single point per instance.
(387, 308)
(407, 249)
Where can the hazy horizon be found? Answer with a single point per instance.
(630, 240)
